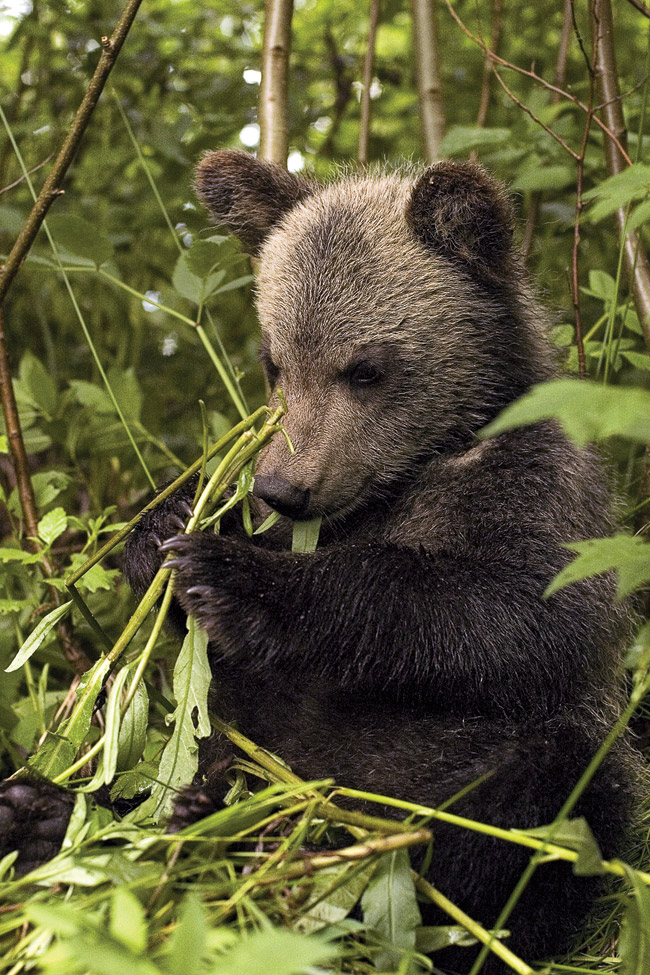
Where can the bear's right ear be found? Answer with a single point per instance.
(247, 195)
(459, 211)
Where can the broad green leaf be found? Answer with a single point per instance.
(127, 921)
(97, 577)
(305, 535)
(562, 335)
(4, 444)
(186, 946)
(463, 138)
(640, 360)
(94, 397)
(333, 894)
(185, 282)
(576, 834)
(586, 411)
(601, 285)
(192, 286)
(390, 909)
(38, 383)
(133, 730)
(533, 176)
(628, 554)
(51, 525)
(274, 951)
(81, 238)
(432, 938)
(126, 390)
(47, 486)
(617, 191)
(19, 555)
(233, 285)
(634, 939)
(36, 637)
(179, 760)
(106, 768)
(53, 757)
(203, 256)
(639, 216)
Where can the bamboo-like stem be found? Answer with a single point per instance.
(364, 127)
(495, 41)
(635, 259)
(272, 110)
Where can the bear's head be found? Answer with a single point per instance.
(393, 316)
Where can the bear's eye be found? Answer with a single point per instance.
(363, 373)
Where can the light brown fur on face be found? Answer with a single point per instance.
(342, 279)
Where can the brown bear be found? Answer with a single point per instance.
(413, 653)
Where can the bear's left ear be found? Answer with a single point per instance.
(460, 212)
(247, 195)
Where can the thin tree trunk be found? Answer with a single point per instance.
(427, 69)
(364, 130)
(495, 42)
(272, 112)
(635, 259)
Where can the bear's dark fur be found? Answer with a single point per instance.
(413, 652)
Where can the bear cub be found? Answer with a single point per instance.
(412, 653)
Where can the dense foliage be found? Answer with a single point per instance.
(141, 269)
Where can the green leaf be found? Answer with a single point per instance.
(305, 535)
(628, 554)
(634, 939)
(586, 411)
(639, 216)
(390, 908)
(133, 730)
(617, 191)
(432, 938)
(127, 921)
(38, 383)
(94, 397)
(575, 834)
(202, 257)
(179, 760)
(14, 605)
(461, 139)
(108, 764)
(53, 757)
(97, 577)
(36, 637)
(19, 555)
(640, 360)
(533, 176)
(274, 952)
(186, 946)
(51, 525)
(333, 894)
(81, 238)
(562, 335)
(126, 390)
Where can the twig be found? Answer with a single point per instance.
(427, 70)
(34, 169)
(364, 129)
(534, 117)
(272, 109)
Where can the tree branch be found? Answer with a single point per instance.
(272, 109)
(427, 70)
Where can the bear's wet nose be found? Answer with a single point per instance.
(280, 494)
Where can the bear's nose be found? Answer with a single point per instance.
(280, 494)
